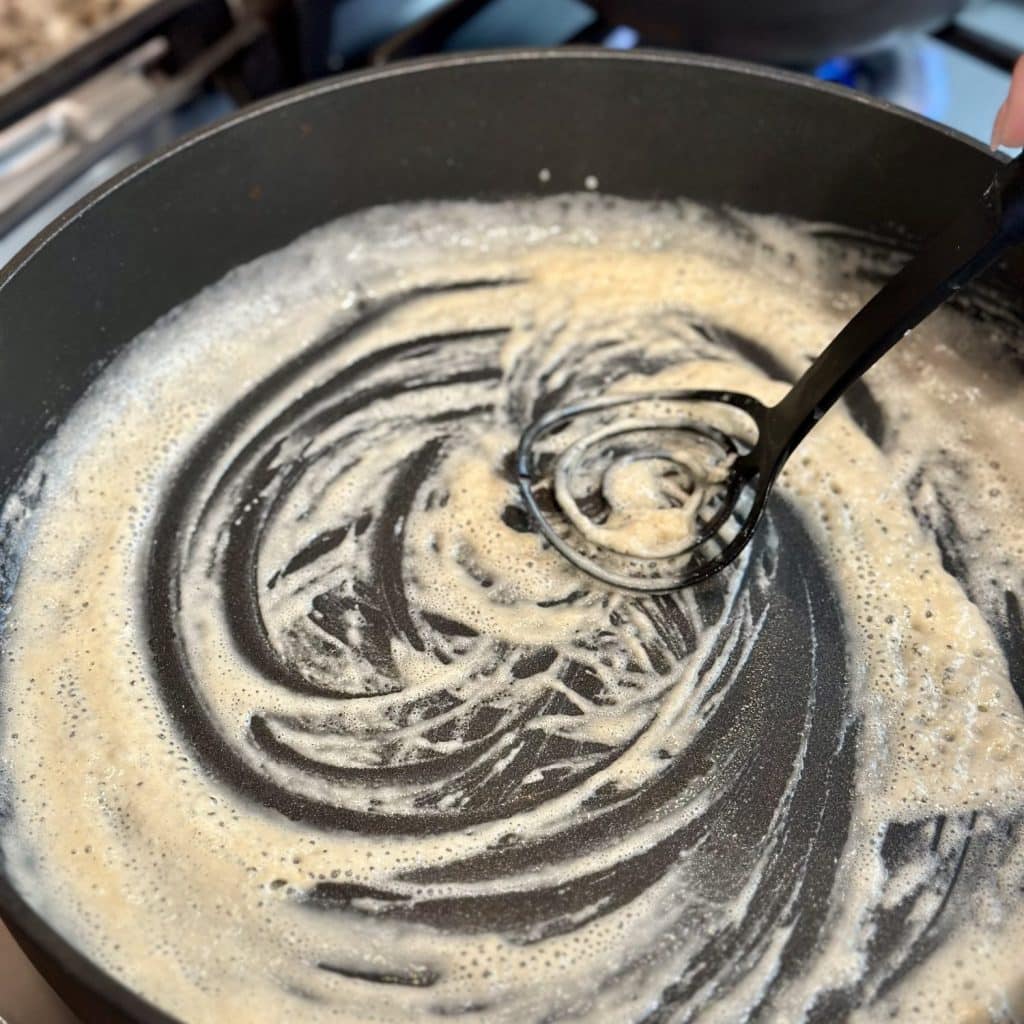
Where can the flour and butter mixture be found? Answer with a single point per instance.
(302, 721)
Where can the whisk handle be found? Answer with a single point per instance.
(1007, 190)
(973, 240)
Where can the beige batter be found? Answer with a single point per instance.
(191, 893)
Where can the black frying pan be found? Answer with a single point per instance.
(646, 125)
(796, 33)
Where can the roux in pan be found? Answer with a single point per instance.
(301, 720)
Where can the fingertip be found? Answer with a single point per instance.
(1011, 122)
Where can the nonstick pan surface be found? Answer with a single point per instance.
(645, 126)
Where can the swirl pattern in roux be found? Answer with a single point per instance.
(349, 742)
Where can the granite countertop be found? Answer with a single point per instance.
(33, 32)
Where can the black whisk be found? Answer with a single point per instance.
(741, 463)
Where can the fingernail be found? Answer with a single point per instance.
(997, 129)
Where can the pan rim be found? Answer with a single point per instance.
(419, 65)
(24, 920)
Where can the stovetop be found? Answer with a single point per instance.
(957, 75)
